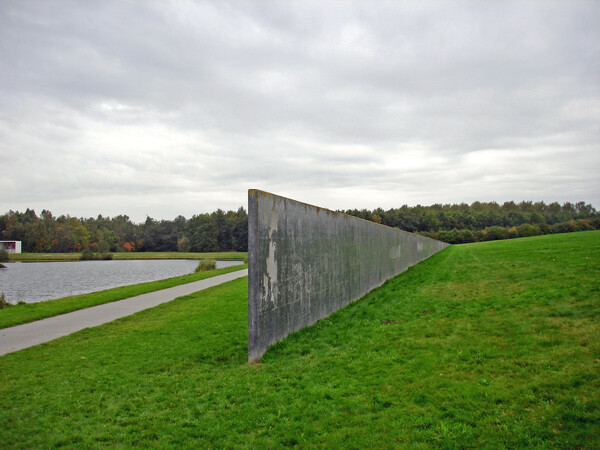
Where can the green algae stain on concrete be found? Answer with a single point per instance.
(306, 262)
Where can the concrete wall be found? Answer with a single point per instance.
(306, 262)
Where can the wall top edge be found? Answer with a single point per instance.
(258, 193)
(270, 194)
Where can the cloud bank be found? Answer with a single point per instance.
(168, 108)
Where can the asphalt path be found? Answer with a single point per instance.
(19, 337)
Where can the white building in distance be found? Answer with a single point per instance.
(11, 246)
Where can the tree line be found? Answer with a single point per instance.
(228, 230)
(214, 232)
(483, 221)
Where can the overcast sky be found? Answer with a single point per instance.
(167, 108)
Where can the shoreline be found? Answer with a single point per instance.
(57, 257)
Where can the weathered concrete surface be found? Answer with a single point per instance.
(306, 262)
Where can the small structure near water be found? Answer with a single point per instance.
(11, 246)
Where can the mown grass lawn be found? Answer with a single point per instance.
(483, 345)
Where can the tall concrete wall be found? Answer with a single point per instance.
(306, 262)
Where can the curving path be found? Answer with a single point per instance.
(27, 335)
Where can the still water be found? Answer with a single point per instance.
(36, 282)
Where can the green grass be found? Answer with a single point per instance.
(222, 256)
(23, 313)
(205, 264)
(508, 355)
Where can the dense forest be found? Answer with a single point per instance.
(218, 231)
(461, 223)
(228, 231)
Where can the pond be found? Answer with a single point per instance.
(35, 282)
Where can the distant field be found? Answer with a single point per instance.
(223, 256)
(489, 345)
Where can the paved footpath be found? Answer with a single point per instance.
(34, 333)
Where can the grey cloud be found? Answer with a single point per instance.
(177, 97)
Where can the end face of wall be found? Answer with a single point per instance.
(306, 262)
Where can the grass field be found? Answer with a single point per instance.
(24, 313)
(483, 345)
(37, 257)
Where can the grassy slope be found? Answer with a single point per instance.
(223, 256)
(24, 313)
(508, 355)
